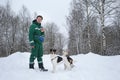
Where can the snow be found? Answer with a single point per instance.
(87, 67)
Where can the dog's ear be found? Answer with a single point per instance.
(54, 50)
(51, 50)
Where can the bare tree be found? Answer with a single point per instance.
(25, 21)
(75, 22)
(2, 10)
(53, 38)
(15, 24)
(80, 26)
(7, 27)
(103, 8)
(88, 9)
(60, 42)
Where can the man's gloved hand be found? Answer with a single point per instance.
(42, 30)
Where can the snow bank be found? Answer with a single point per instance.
(87, 67)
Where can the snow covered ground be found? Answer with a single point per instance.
(87, 67)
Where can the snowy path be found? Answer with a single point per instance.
(87, 67)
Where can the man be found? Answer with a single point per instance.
(36, 38)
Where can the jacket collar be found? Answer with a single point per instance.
(35, 22)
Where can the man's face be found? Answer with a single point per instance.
(39, 19)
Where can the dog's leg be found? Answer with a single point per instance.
(54, 68)
(68, 65)
(65, 67)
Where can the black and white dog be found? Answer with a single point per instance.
(65, 59)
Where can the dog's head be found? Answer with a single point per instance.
(53, 51)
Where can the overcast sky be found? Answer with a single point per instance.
(52, 10)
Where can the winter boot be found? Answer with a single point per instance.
(31, 66)
(41, 67)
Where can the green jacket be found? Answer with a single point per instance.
(34, 31)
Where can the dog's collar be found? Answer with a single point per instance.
(54, 58)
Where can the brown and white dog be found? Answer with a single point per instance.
(65, 59)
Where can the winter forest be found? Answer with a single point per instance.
(92, 26)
